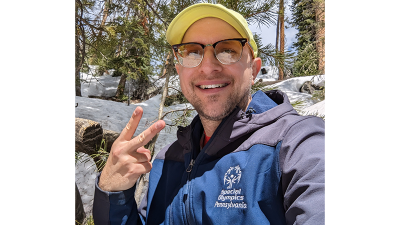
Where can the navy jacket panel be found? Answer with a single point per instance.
(111, 208)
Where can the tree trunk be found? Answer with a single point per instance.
(282, 36)
(168, 70)
(277, 35)
(105, 15)
(277, 41)
(121, 86)
(88, 135)
(110, 136)
(320, 34)
(78, 61)
(79, 211)
(77, 68)
(143, 181)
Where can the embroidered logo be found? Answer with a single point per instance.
(232, 175)
(231, 198)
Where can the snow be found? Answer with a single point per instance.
(105, 85)
(316, 109)
(292, 86)
(115, 115)
(268, 73)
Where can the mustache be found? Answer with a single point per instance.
(202, 77)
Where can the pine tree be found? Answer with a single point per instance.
(281, 34)
(309, 18)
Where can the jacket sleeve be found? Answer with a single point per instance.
(302, 160)
(111, 208)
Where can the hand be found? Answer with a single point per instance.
(128, 158)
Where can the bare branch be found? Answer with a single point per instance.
(177, 110)
(158, 16)
(175, 89)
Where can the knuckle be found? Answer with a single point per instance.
(133, 171)
(116, 152)
(141, 168)
(141, 137)
(124, 161)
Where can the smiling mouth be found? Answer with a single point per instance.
(212, 86)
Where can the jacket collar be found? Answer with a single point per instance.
(267, 107)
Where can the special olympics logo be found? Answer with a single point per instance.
(232, 176)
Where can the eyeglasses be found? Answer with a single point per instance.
(226, 51)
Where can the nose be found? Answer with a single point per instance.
(210, 63)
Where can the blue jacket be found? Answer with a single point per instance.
(262, 166)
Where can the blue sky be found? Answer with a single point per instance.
(268, 34)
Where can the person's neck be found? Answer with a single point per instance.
(211, 125)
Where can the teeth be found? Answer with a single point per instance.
(212, 86)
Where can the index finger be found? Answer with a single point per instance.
(144, 137)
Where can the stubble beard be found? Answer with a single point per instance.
(227, 106)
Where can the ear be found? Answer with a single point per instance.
(256, 67)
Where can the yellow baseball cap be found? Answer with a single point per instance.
(179, 25)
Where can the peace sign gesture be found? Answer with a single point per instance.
(128, 158)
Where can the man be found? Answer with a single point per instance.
(243, 160)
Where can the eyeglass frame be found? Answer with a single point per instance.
(243, 41)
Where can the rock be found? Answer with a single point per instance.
(85, 176)
(309, 87)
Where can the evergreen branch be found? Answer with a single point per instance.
(258, 13)
(97, 50)
(91, 26)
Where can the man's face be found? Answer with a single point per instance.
(234, 81)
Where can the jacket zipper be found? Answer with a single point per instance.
(188, 182)
(187, 210)
(190, 167)
(188, 170)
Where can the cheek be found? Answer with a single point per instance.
(246, 76)
(184, 83)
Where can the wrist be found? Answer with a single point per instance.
(103, 184)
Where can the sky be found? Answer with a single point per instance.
(268, 33)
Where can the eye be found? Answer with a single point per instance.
(228, 50)
(193, 52)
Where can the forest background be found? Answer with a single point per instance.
(38, 111)
(128, 36)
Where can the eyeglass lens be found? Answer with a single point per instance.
(227, 52)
